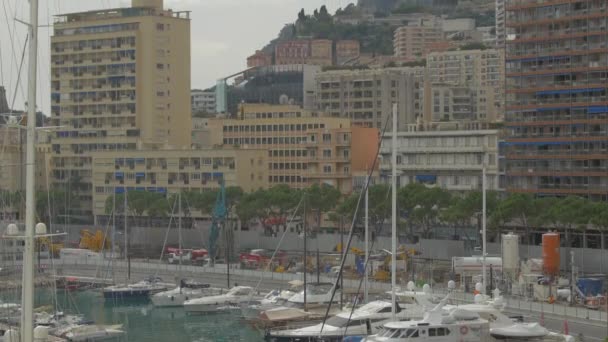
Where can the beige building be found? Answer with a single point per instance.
(465, 85)
(120, 80)
(303, 148)
(173, 171)
(366, 96)
(411, 42)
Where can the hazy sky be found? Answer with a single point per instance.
(224, 33)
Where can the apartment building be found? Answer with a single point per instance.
(174, 171)
(557, 101)
(303, 147)
(366, 96)
(304, 51)
(120, 80)
(444, 155)
(202, 101)
(347, 50)
(465, 85)
(410, 42)
(259, 59)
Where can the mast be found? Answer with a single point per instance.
(27, 294)
(179, 228)
(305, 252)
(127, 236)
(483, 226)
(366, 272)
(394, 215)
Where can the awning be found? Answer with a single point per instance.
(426, 178)
(569, 91)
(119, 174)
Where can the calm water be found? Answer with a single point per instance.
(143, 322)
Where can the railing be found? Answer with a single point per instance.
(597, 316)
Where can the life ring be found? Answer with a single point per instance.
(464, 330)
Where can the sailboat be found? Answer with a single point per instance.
(186, 290)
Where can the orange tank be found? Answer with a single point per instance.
(551, 254)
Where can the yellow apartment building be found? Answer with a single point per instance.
(303, 148)
(120, 80)
(173, 171)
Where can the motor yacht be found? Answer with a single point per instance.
(182, 293)
(139, 290)
(213, 304)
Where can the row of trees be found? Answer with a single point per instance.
(421, 208)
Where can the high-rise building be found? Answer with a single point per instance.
(120, 79)
(557, 101)
(410, 42)
(366, 96)
(303, 147)
(465, 85)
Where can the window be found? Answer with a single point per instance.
(160, 66)
(327, 169)
(326, 138)
(326, 153)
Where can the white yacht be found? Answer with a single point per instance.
(503, 327)
(275, 298)
(438, 325)
(318, 296)
(212, 304)
(363, 321)
(139, 290)
(184, 292)
(78, 333)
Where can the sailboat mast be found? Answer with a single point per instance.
(394, 215)
(366, 272)
(179, 227)
(483, 226)
(305, 251)
(27, 294)
(125, 223)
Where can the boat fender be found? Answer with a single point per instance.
(464, 330)
(186, 297)
(172, 298)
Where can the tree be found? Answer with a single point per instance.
(51, 204)
(567, 214)
(423, 205)
(321, 199)
(517, 208)
(301, 15)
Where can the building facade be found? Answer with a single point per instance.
(410, 42)
(202, 101)
(120, 79)
(501, 29)
(304, 51)
(347, 50)
(465, 85)
(451, 159)
(303, 148)
(366, 96)
(557, 101)
(258, 59)
(172, 171)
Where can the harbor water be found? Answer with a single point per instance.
(142, 322)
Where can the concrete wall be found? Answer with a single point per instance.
(588, 260)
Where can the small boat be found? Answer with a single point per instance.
(139, 290)
(78, 333)
(185, 291)
(437, 325)
(214, 304)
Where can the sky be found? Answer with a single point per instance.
(223, 34)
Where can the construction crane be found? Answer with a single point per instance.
(220, 214)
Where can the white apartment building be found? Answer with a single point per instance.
(451, 159)
(203, 101)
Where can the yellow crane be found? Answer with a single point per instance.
(94, 241)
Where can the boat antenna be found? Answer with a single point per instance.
(352, 225)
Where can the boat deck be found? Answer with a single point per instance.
(4, 327)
